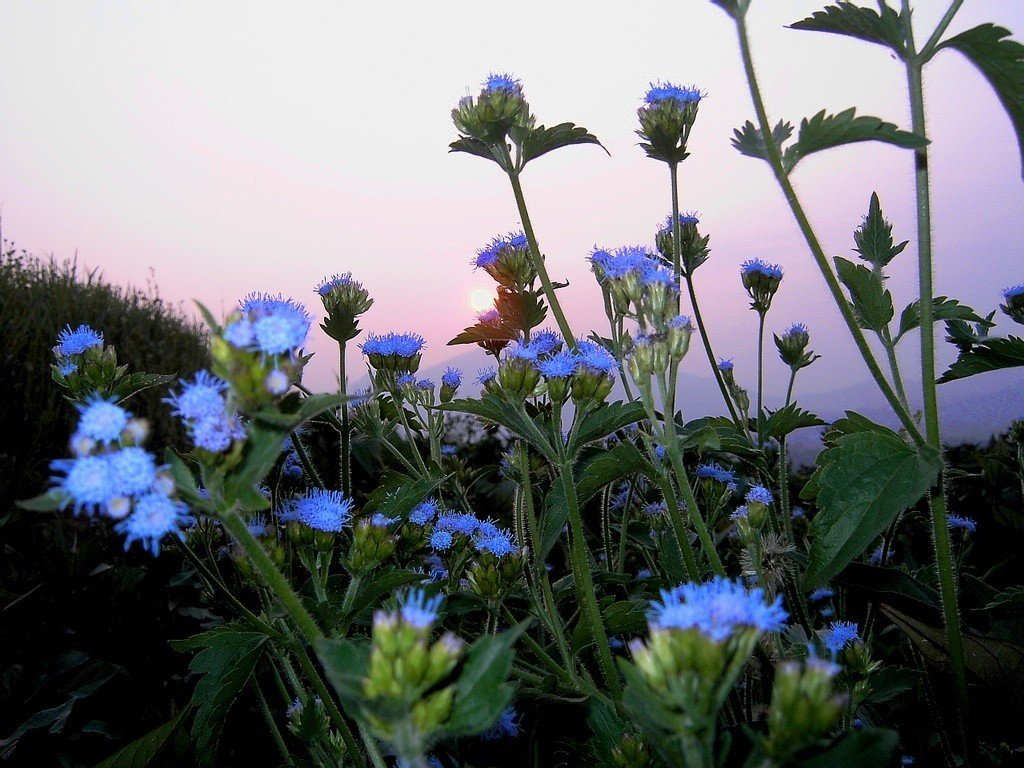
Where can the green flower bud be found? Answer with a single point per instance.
(344, 300)
(679, 331)
(500, 108)
(761, 281)
(804, 707)
(693, 247)
(518, 378)
(1014, 306)
(665, 119)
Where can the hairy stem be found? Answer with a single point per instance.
(346, 430)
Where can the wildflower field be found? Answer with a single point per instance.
(550, 561)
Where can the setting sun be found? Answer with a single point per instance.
(481, 299)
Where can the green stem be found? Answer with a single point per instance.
(535, 254)
(677, 235)
(271, 576)
(782, 177)
(785, 508)
(930, 46)
(346, 431)
(894, 365)
(585, 584)
(760, 379)
(706, 342)
(271, 725)
(940, 527)
(307, 463)
(410, 436)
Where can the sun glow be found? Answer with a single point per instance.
(481, 299)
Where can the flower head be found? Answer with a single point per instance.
(200, 398)
(838, 634)
(759, 494)
(498, 543)
(679, 95)
(486, 375)
(133, 469)
(154, 517)
(716, 473)
(101, 419)
(272, 325)
(966, 524)
(559, 366)
(503, 82)
(398, 344)
(75, 342)
(457, 522)
(88, 482)
(320, 509)
(423, 512)
(417, 610)
(594, 357)
(725, 365)
(507, 724)
(716, 609)
(333, 282)
(441, 541)
(760, 267)
(452, 378)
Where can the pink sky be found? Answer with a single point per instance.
(229, 148)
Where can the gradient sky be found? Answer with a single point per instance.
(223, 148)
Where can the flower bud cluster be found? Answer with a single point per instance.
(202, 406)
(113, 476)
(1014, 306)
(792, 346)
(666, 118)
(498, 110)
(393, 355)
(507, 259)
(344, 301)
(761, 281)
(805, 706)
(693, 247)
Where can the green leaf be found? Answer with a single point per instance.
(211, 321)
(625, 617)
(345, 664)
(603, 421)
(383, 582)
(134, 383)
(872, 303)
(400, 501)
(988, 355)
(313, 405)
(226, 659)
(484, 332)
(866, 748)
(503, 413)
(540, 140)
(475, 147)
(262, 447)
(749, 141)
(823, 131)
(890, 586)
(51, 501)
(862, 483)
(141, 752)
(845, 18)
(780, 423)
(942, 309)
(482, 690)
(873, 238)
(1001, 60)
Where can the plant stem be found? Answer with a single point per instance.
(268, 717)
(894, 365)
(937, 500)
(929, 47)
(677, 236)
(535, 254)
(706, 342)
(760, 379)
(585, 584)
(785, 508)
(782, 177)
(346, 432)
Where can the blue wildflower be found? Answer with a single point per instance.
(838, 634)
(685, 219)
(486, 375)
(75, 342)
(320, 509)
(821, 593)
(441, 541)
(680, 322)
(398, 344)
(966, 524)
(449, 450)
(797, 513)
(499, 543)
(716, 609)
(417, 610)
(660, 92)
(796, 329)
(240, 333)
(594, 357)
(380, 520)
(101, 419)
(656, 508)
(457, 522)
(714, 472)
(490, 253)
(334, 281)
(546, 342)
(560, 365)
(282, 328)
(155, 516)
(507, 724)
(134, 470)
(740, 513)
(88, 482)
(759, 494)
(200, 398)
(502, 82)
(215, 433)
(656, 275)
(435, 568)
(67, 367)
(257, 525)
(758, 266)
(452, 378)
(725, 365)
(276, 382)
(644, 573)
(522, 351)
(423, 512)
(406, 380)
(1009, 293)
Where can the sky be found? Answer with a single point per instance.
(221, 148)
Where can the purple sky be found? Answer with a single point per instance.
(228, 148)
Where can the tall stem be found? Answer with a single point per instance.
(585, 584)
(782, 177)
(785, 511)
(538, 259)
(677, 235)
(346, 432)
(760, 379)
(940, 527)
(706, 342)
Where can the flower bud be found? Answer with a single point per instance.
(804, 706)
(679, 331)
(1014, 306)
(666, 118)
(693, 248)
(450, 383)
(761, 280)
(344, 300)
(498, 109)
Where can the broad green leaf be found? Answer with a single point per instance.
(824, 131)
(226, 659)
(872, 303)
(262, 448)
(845, 18)
(866, 748)
(400, 501)
(625, 617)
(141, 752)
(1001, 60)
(313, 405)
(603, 421)
(497, 411)
(890, 586)
(482, 689)
(788, 419)
(862, 483)
(541, 140)
(988, 355)
(749, 141)
(127, 386)
(484, 332)
(873, 238)
(50, 501)
(942, 309)
(184, 480)
(475, 147)
(345, 664)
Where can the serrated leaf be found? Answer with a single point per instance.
(482, 690)
(226, 659)
(603, 421)
(497, 411)
(140, 753)
(788, 419)
(845, 18)
(475, 147)
(541, 140)
(873, 238)
(400, 502)
(345, 664)
(943, 308)
(872, 303)
(1001, 60)
(824, 131)
(485, 332)
(862, 483)
(748, 140)
(990, 354)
